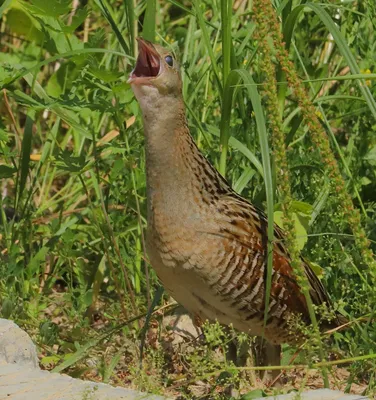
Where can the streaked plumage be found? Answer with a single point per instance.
(207, 243)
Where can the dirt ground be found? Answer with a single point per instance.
(171, 344)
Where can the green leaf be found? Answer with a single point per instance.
(65, 225)
(51, 8)
(6, 172)
(4, 136)
(67, 162)
(319, 272)
(371, 156)
(106, 75)
(62, 80)
(48, 332)
(253, 394)
(67, 115)
(6, 71)
(7, 308)
(20, 23)
(300, 207)
(301, 233)
(45, 361)
(79, 18)
(87, 298)
(364, 181)
(57, 81)
(38, 259)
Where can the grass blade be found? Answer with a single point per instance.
(236, 144)
(132, 27)
(255, 98)
(148, 29)
(228, 93)
(339, 40)
(346, 53)
(25, 153)
(107, 14)
(4, 6)
(226, 13)
(207, 41)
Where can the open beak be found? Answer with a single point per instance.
(147, 64)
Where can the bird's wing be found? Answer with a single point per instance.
(246, 224)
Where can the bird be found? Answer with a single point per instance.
(207, 244)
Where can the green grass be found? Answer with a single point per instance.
(73, 270)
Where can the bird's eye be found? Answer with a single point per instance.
(169, 60)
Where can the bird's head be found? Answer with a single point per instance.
(156, 73)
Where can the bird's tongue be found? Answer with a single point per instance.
(147, 64)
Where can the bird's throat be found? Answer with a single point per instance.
(168, 151)
(179, 178)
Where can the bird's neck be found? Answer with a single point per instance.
(168, 151)
(166, 131)
(177, 173)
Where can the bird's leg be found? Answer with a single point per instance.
(231, 390)
(231, 356)
(238, 351)
(268, 354)
(272, 357)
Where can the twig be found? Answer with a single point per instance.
(7, 105)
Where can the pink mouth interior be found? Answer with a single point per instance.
(147, 64)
